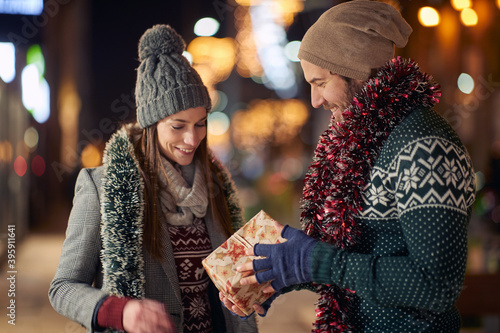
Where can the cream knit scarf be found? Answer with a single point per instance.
(180, 201)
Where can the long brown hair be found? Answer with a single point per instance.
(146, 149)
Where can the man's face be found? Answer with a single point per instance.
(328, 89)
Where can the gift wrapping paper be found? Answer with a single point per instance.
(222, 262)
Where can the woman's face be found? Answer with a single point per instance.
(180, 134)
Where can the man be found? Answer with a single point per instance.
(388, 196)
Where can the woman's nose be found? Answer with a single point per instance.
(191, 138)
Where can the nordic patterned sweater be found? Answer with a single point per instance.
(407, 269)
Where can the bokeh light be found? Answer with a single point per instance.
(292, 50)
(34, 56)
(268, 121)
(460, 4)
(428, 17)
(20, 166)
(468, 16)
(5, 151)
(218, 123)
(30, 79)
(91, 156)
(7, 62)
(206, 27)
(38, 165)
(245, 2)
(219, 101)
(213, 58)
(270, 40)
(188, 56)
(25, 7)
(35, 93)
(41, 112)
(31, 138)
(465, 83)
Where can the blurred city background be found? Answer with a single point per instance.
(67, 77)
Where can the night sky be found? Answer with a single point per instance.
(115, 31)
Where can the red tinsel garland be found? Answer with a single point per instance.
(344, 157)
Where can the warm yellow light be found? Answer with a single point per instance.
(468, 17)
(69, 104)
(268, 121)
(217, 53)
(246, 2)
(91, 156)
(498, 4)
(461, 4)
(248, 63)
(428, 17)
(5, 151)
(218, 140)
(285, 10)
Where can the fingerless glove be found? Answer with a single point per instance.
(286, 264)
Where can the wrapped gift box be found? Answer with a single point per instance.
(221, 264)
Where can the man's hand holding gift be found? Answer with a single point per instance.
(285, 264)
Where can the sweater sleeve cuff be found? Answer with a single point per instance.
(110, 313)
(323, 263)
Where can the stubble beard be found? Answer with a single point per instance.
(352, 88)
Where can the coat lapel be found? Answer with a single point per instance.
(168, 261)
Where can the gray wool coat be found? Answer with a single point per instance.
(76, 290)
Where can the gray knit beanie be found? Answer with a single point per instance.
(355, 37)
(166, 82)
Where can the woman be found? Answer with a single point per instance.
(142, 223)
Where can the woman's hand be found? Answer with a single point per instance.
(234, 309)
(248, 267)
(144, 316)
(248, 271)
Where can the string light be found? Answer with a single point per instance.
(465, 83)
(469, 17)
(428, 17)
(461, 4)
(7, 62)
(91, 156)
(20, 166)
(206, 27)
(38, 165)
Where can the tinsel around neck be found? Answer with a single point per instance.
(344, 157)
(347, 151)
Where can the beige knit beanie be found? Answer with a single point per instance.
(354, 37)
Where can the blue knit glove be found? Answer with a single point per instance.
(286, 264)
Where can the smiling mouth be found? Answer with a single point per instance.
(187, 151)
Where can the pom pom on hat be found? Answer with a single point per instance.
(160, 40)
(166, 82)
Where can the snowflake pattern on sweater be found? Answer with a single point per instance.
(191, 244)
(407, 269)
